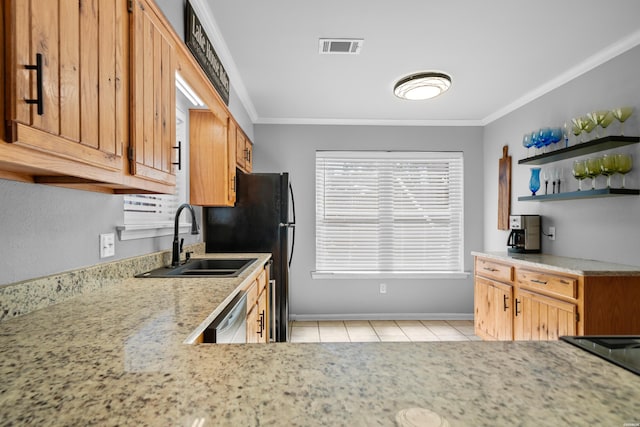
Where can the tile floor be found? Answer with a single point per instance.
(382, 330)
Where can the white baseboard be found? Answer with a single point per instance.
(382, 316)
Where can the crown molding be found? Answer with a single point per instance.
(588, 64)
(599, 58)
(366, 122)
(208, 21)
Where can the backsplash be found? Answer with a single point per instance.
(23, 297)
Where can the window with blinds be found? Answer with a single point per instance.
(150, 209)
(389, 212)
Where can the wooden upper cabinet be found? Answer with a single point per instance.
(66, 82)
(231, 162)
(209, 160)
(244, 151)
(153, 120)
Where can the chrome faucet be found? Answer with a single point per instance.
(177, 245)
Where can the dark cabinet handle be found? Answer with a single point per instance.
(517, 302)
(261, 323)
(540, 282)
(490, 269)
(179, 162)
(39, 101)
(505, 306)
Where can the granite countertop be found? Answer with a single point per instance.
(117, 356)
(579, 266)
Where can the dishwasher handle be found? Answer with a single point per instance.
(239, 309)
(230, 325)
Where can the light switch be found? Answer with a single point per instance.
(107, 245)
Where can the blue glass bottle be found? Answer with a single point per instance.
(534, 181)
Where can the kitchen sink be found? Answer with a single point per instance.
(204, 267)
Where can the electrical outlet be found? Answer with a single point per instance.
(107, 245)
(552, 233)
(383, 288)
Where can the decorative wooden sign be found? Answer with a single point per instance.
(200, 45)
(504, 189)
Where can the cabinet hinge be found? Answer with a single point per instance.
(131, 153)
(577, 317)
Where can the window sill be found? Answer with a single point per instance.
(145, 231)
(434, 275)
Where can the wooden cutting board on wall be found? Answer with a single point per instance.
(504, 189)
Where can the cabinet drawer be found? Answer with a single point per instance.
(494, 270)
(548, 283)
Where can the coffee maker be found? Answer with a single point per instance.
(525, 234)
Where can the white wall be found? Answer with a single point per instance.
(47, 230)
(606, 229)
(291, 148)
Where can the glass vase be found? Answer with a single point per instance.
(534, 181)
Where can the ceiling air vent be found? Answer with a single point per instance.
(340, 46)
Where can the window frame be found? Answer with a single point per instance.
(391, 157)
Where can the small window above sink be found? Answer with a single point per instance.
(203, 267)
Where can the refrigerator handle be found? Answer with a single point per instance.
(291, 224)
(293, 208)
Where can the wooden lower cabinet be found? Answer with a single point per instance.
(541, 318)
(257, 309)
(513, 301)
(493, 305)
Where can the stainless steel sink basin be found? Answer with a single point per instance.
(204, 267)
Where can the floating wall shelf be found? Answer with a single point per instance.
(584, 194)
(581, 149)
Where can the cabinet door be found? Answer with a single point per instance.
(241, 153)
(540, 318)
(153, 65)
(252, 325)
(263, 326)
(248, 164)
(209, 159)
(231, 162)
(493, 309)
(80, 83)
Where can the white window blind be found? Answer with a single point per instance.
(389, 212)
(150, 209)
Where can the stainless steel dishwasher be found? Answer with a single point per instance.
(231, 325)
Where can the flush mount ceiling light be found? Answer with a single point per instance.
(421, 86)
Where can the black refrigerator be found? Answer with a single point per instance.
(262, 220)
